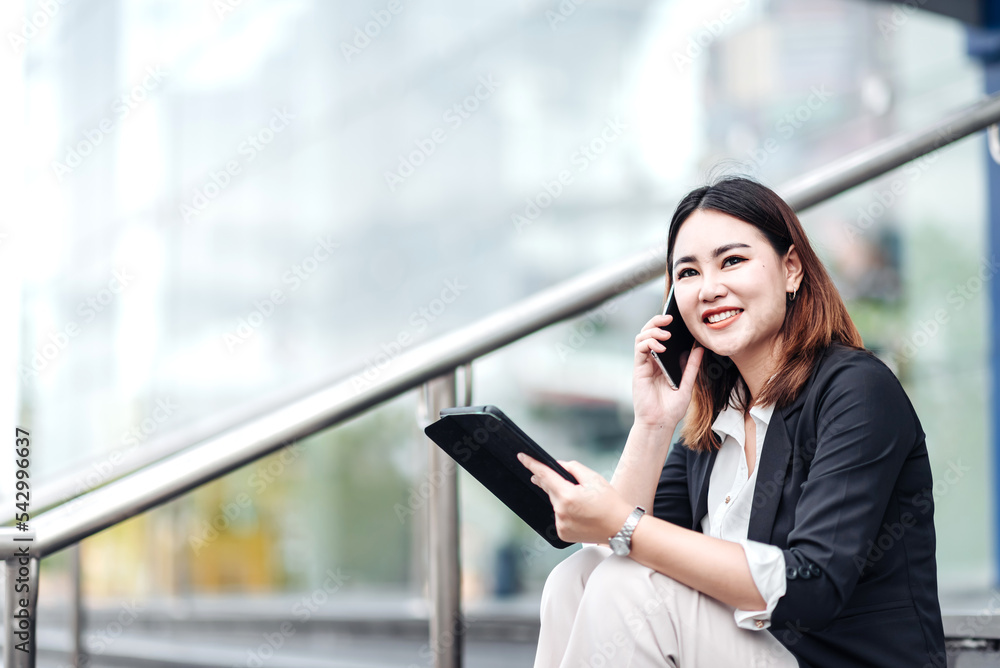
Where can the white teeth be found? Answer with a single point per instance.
(718, 317)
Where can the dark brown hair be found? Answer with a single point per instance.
(816, 318)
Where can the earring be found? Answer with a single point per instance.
(791, 295)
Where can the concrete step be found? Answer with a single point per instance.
(367, 630)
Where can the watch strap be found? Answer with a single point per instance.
(625, 533)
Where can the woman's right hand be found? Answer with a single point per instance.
(656, 403)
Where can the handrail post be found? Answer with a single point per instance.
(76, 620)
(444, 579)
(20, 598)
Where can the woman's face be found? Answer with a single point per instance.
(730, 284)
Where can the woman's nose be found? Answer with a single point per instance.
(711, 287)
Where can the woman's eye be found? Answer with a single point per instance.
(684, 272)
(735, 258)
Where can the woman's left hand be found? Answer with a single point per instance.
(590, 512)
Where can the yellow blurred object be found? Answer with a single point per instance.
(234, 562)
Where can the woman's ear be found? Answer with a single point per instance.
(793, 269)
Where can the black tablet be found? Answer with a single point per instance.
(485, 442)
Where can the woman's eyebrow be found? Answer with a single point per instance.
(716, 253)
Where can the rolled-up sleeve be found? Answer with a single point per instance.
(767, 566)
(672, 500)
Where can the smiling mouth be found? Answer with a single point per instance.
(722, 319)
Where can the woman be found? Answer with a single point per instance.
(792, 523)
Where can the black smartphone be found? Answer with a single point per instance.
(681, 341)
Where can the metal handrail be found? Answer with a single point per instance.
(214, 457)
(802, 193)
(157, 483)
(872, 161)
(109, 466)
(243, 444)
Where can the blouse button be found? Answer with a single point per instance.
(760, 624)
(727, 499)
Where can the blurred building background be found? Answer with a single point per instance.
(228, 200)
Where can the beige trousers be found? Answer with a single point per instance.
(599, 609)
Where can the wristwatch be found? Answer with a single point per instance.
(621, 542)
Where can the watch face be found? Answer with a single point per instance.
(618, 546)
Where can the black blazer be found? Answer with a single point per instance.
(844, 489)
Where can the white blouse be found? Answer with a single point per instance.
(730, 498)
